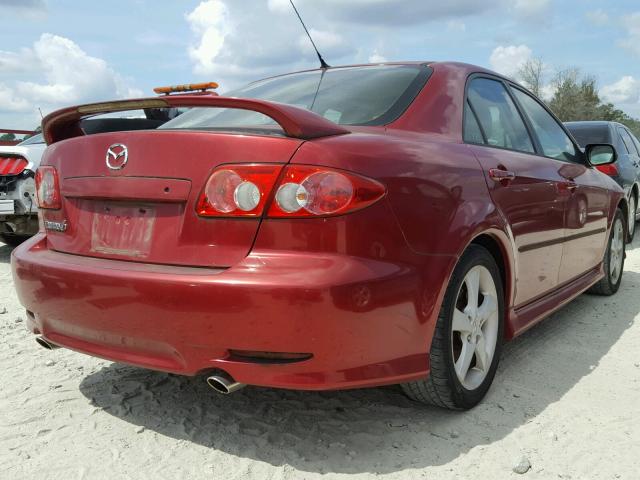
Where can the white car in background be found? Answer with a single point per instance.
(18, 206)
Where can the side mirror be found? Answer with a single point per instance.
(600, 154)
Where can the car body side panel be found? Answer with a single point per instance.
(438, 194)
(436, 189)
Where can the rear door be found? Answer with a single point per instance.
(588, 198)
(529, 189)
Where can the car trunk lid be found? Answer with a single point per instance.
(145, 211)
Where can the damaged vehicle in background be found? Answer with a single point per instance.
(336, 228)
(18, 164)
(18, 206)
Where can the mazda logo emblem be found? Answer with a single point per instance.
(117, 156)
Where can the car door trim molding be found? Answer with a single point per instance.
(548, 243)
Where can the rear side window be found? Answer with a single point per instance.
(554, 141)
(498, 115)
(628, 141)
(471, 128)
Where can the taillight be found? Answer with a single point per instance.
(12, 165)
(238, 190)
(47, 188)
(303, 191)
(307, 191)
(609, 169)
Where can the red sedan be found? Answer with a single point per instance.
(336, 228)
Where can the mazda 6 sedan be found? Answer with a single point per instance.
(329, 229)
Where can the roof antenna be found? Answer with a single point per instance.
(323, 64)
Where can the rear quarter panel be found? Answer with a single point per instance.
(436, 188)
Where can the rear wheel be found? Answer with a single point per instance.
(468, 336)
(613, 262)
(633, 205)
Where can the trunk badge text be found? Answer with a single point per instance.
(56, 226)
(117, 156)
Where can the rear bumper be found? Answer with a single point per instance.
(365, 322)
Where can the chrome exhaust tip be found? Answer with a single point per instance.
(224, 384)
(46, 344)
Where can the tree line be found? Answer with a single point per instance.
(575, 95)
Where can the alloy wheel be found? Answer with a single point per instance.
(475, 327)
(616, 255)
(632, 215)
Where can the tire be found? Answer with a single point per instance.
(633, 207)
(443, 386)
(613, 261)
(13, 240)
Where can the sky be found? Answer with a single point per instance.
(56, 53)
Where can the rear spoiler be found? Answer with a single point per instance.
(295, 121)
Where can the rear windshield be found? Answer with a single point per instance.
(374, 95)
(586, 134)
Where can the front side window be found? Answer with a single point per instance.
(554, 141)
(498, 116)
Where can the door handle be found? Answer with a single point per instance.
(500, 175)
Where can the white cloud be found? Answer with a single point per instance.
(624, 91)
(17, 62)
(598, 17)
(330, 44)
(232, 44)
(280, 6)
(209, 22)
(9, 102)
(508, 60)
(547, 92)
(631, 24)
(66, 75)
(376, 57)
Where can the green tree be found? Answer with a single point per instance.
(7, 137)
(575, 96)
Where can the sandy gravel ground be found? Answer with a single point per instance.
(567, 397)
